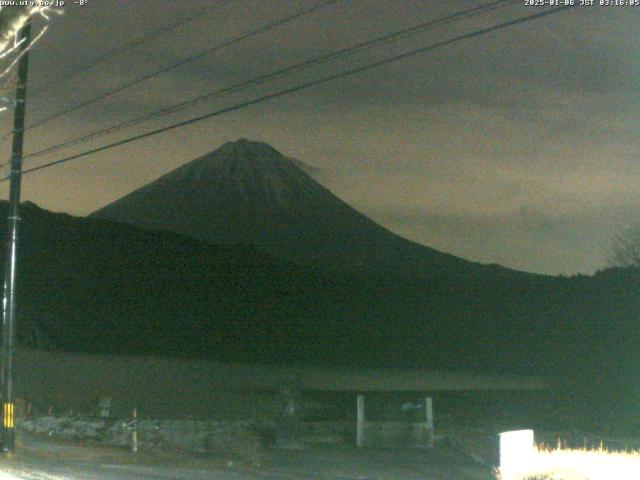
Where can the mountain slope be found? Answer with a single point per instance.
(95, 285)
(247, 192)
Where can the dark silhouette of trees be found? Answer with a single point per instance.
(625, 249)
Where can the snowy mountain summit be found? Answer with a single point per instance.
(249, 193)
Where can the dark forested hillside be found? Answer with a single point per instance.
(93, 285)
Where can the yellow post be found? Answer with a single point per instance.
(9, 416)
(134, 432)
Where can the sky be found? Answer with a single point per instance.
(518, 147)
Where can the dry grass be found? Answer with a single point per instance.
(581, 464)
(169, 387)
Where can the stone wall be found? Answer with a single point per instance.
(197, 436)
(243, 437)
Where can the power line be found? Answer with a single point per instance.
(180, 63)
(146, 38)
(376, 42)
(303, 86)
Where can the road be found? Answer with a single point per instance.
(64, 470)
(43, 459)
(373, 465)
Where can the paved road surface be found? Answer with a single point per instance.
(52, 470)
(42, 460)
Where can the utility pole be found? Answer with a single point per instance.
(9, 302)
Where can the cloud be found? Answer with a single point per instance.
(520, 221)
(519, 146)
